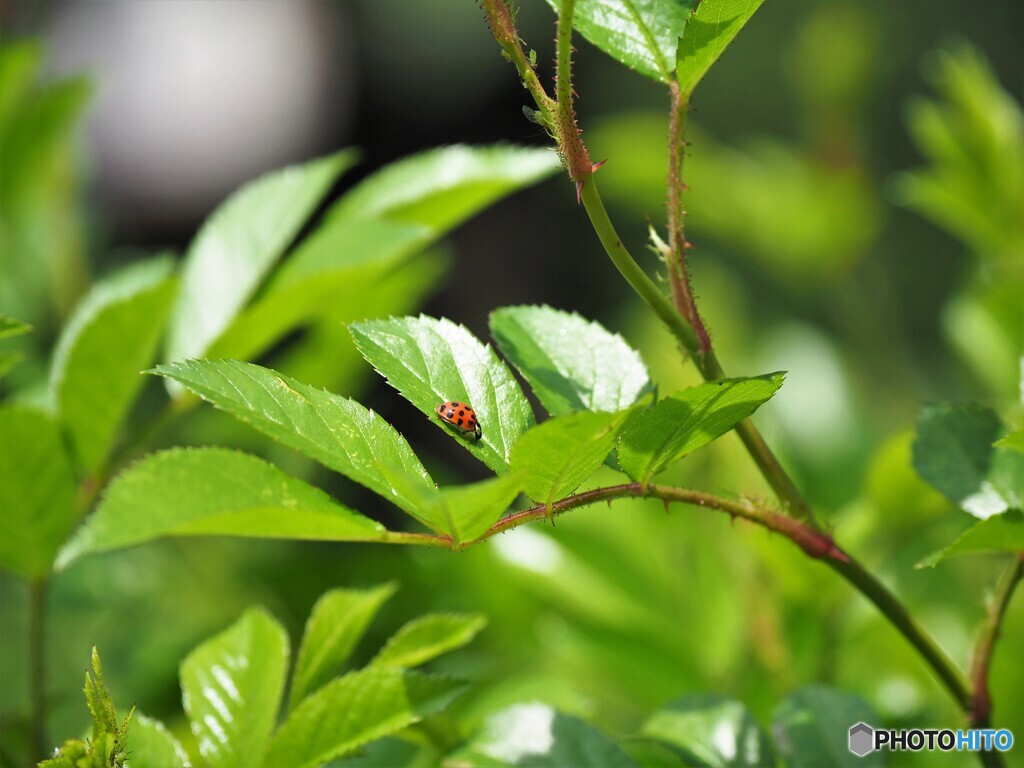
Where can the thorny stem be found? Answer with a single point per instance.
(815, 543)
(981, 705)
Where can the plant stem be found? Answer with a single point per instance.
(810, 539)
(38, 591)
(707, 363)
(981, 705)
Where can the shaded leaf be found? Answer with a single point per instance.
(337, 622)
(561, 454)
(239, 244)
(37, 491)
(999, 533)
(151, 745)
(441, 187)
(431, 361)
(428, 637)
(710, 29)
(339, 433)
(213, 492)
(231, 687)
(953, 452)
(811, 728)
(642, 34)
(353, 710)
(571, 363)
(711, 731)
(330, 272)
(690, 419)
(536, 735)
(464, 512)
(109, 339)
(10, 326)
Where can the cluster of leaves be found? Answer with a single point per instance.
(108, 746)
(233, 688)
(58, 445)
(594, 386)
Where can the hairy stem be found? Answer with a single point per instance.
(675, 258)
(981, 705)
(38, 591)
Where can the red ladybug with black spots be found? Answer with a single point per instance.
(460, 417)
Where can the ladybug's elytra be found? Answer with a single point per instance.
(461, 417)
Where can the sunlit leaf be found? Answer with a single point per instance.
(239, 244)
(431, 361)
(151, 745)
(560, 454)
(999, 533)
(353, 710)
(536, 735)
(428, 637)
(213, 492)
(10, 326)
(1014, 441)
(339, 433)
(109, 339)
(464, 512)
(690, 419)
(954, 453)
(338, 621)
(37, 491)
(231, 687)
(441, 187)
(642, 34)
(571, 363)
(811, 728)
(710, 29)
(711, 731)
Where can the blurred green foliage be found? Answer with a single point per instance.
(804, 262)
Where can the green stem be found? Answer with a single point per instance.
(563, 57)
(981, 706)
(38, 591)
(707, 363)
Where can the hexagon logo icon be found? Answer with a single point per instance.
(862, 741)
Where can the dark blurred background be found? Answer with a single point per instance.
(814, 253)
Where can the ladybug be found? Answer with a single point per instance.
(461, 417)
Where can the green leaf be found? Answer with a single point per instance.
(953, 452)
(811, 728)
(711, 28)
(536, 735)
(642, 34)
(571, 363)
(561, 454)
(151, 745)
(1014, 441)
(711, 731)
(337, 622)
(331, 270)
(353, 710)
(339, 433)
(441, 187)
(109, 339)
(690, 419)
(428, 637)
(213, 492)
(999, 533)
(8, 360)
(37, 491)
(430, 361)
(463, 512)
(239, 244)
(10, 326)
(231, 687)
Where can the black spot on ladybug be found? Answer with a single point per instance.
(451, 414)
(459, 422)
(454, 404)
(462, 413)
